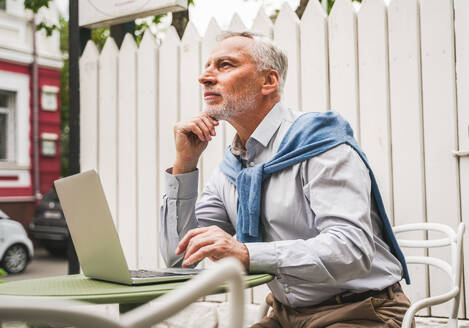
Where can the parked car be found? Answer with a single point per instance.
(16, 249)
(48, 226)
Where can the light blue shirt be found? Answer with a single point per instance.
(322, 235)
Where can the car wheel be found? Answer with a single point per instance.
(15, 259)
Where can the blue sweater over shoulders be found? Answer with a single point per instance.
(310, 135)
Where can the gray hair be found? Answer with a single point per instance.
(265, 53)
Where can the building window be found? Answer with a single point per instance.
(49, 144)
(49, 97)
(7, 126)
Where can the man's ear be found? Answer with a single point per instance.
(271, 82)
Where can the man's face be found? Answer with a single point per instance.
(231, 83)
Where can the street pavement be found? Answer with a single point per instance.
(42, 265)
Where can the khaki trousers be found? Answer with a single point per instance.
(384, 310)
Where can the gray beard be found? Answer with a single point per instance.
(230, 107)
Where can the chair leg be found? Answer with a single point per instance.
(453, 319)
(452, 323)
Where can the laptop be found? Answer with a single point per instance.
(95, 237)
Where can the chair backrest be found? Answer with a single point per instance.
(452, 239)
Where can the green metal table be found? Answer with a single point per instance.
(80, 288)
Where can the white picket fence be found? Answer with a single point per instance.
(399, 72)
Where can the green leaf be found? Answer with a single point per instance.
(48, 28)
(157, 19)
(35, 5)
(100, 35)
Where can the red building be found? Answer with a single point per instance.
(18, 192)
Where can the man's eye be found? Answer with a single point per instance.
(225, 64)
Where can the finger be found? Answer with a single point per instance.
(212, 120)
(201, 124)
(209, 125)
(194, 128)
(185, 240)
(206, 251)
(199, 241)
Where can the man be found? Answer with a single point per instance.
(308, 217)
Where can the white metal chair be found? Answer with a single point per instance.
(227, 270)
(454, 241)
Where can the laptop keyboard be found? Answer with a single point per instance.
(163, 273)
(146, 274)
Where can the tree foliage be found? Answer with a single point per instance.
(142, 26)
(35, 5)
(99, 36)
(64, 102)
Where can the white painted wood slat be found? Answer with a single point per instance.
(236, 24)
(314, 59)
(287, 37)
(168, 105)
(147, 153)
(127, 154)
(190, 71)
(190, 93)
(375, 116)
(343, 63)
(262, 24)
(168, 102)
(439, 113)
(461, 21)
(89, 107)
(214, 152)
(107, 131)
(407, 131)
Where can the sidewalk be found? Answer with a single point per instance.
(437, 323)
(215, 315)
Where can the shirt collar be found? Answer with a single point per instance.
(264, 131)
(269, 125)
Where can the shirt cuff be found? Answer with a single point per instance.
(262, 257)
(182, 186)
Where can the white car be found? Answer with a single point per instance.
(16, 249)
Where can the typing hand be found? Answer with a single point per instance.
(213, 243)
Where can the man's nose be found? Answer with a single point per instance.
(207, 78)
